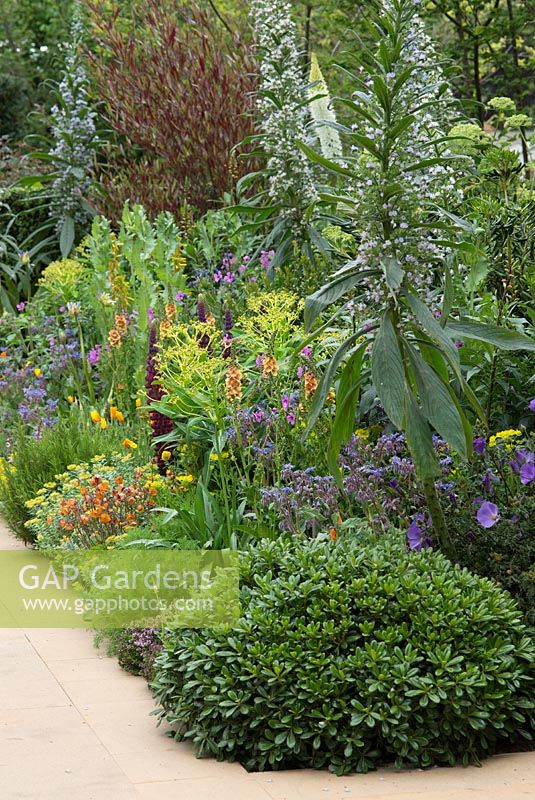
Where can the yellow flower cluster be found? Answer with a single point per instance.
(61, 277)
(504, 436)
(271, 317)
(183, 364)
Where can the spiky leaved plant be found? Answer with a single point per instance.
(399, 177)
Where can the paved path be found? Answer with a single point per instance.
(73, 726)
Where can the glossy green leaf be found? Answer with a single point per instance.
(387, 370)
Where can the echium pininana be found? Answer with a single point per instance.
(74, 136)
(391, 199)
(159, 423)
(282, 110)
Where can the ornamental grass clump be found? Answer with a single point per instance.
(178, 87)
(349, 655)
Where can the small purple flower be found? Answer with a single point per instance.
(488, 514)
(93, 356)
(532, 405)
(242, 268)
(151, 316)
(300, 372)
(290, 418)
(21, 306)
(259, 361)
(266, 257)
(180, 297)
(230, 277)
(416, 537)
(306, 352)
(527, 473)
(285, 402)
(458, 344)
(480, 445)
(218, 276)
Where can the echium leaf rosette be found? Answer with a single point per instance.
(159, 423)
(399, 183)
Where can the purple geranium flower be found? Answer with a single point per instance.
(488, 514)
(527, 473)
(416, 534)
(480, 445)
(532, 405)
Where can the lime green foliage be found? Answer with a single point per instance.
(352, 655)
(61, 282)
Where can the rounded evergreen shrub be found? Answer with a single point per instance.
(349, 655)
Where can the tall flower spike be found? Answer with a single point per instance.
(74, 136)
(159, 423)
(282, 109)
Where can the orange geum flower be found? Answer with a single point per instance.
(105, 517)
(129, 444)
(3, 354)
(95, 416)
(116, 415)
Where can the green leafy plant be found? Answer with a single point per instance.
(405, 236)
(350, 655)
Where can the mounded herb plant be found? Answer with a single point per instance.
(349, 655)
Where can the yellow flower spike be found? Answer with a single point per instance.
(129, 444)
(95, 417)
(37, 372)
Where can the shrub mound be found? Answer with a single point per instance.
(349, 655)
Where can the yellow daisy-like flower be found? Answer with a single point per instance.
(166, 455)
(37, 372)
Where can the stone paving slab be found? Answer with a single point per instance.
(74, 726)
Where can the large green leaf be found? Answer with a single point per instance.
(491, 334)
(66, 236)
(437, 404)
(328, 377)
(316, 303)
(435, 331)
(387, 370)
(419, 440)
(346, 405)
(317, 158)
